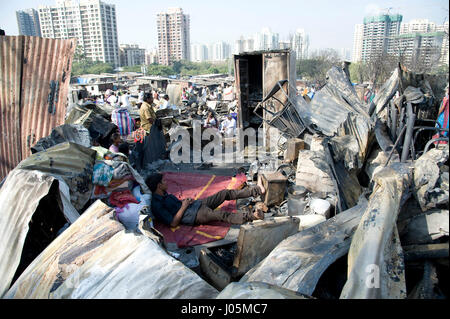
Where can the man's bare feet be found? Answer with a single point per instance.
(258, 214)
(261, 206)
(260, 184)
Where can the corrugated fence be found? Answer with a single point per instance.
(34, 82)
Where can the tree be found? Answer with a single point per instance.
(161, 70)
(100, 67)
(316, 68)
(79, 55)
(134, 68)
(357, 72)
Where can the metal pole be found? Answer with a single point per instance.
(432, 141)
(393, 127)
(411, 117)
(395, 145)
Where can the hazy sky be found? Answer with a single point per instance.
(330, 24)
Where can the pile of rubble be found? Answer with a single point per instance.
(358, 207)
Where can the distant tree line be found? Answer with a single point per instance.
(315, 68)
(82, 65)
(376, 71)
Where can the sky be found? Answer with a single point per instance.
(329, 23)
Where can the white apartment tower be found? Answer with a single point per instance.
(266, 40)
(243, 45)
(220, 51)
(199, 52)
(131, 55)
(300, 44)
(357, 43)
(379, 34)
(173, 36)
(424, 43)
(444, 51)
(151, 56)
(418, 25)
(92, 22)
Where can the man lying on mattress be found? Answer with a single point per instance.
(170, 210)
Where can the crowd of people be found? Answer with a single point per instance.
(134, 115)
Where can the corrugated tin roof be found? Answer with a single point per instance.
(34, 78)
(96, 258)
(20, 196)
(11, 50)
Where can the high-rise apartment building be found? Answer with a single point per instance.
(92, 22)
(28, 22)
(199, 52)
(300, 44)
(444, 49)
(284, 45)
(420, 50)
(244, 45)
(357, 43)
(345, 54)
(266, 40)
(423, 42)
(131, 55)
(419, 44)
(418, 25)
(379, 34)
(151, 56)
(173, 36)
(220, 51)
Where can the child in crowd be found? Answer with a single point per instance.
(116, 140)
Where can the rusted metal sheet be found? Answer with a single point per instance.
(11, 50)
(241, 76)
(263, 68)
(34, 76)
(275, 68)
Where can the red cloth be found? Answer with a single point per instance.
(184, 185)
(120, 199)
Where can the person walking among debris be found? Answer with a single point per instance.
(125, 99)
(228, 126)
(165, 103)
(171, 211)
(157, 101)
(146, 112)
(112, 99)
(100, 99)
(204, 95)
(184, 96)
(211, 121)
(140, 98)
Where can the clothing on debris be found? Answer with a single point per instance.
(121, 117)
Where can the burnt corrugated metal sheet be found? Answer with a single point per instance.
(20, 197)
(97, 258)
(34, 77)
